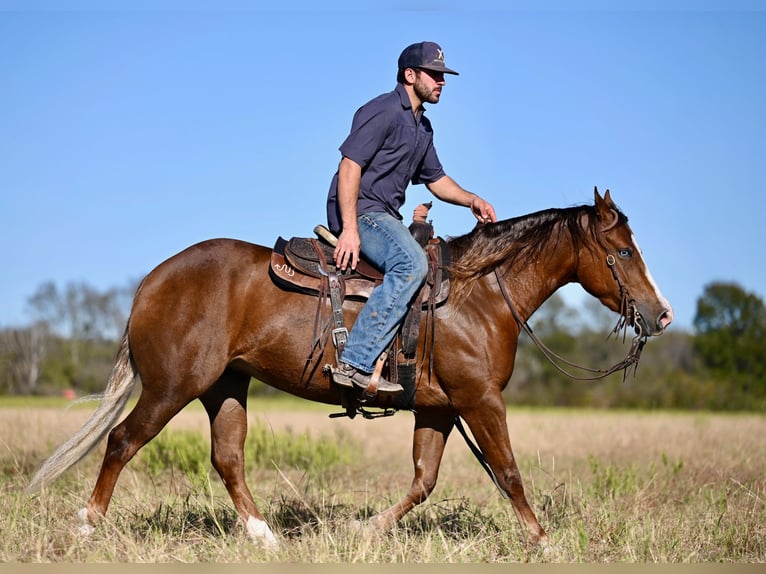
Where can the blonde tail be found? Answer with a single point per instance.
(122, 380)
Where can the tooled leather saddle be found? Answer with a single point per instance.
(306, 265)
(302, 264)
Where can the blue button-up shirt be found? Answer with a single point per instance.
(394, 148)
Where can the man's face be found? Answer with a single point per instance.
(428, 85)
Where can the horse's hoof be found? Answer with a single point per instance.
(366, 528)
(549, 549)
(86, 528)
(260, 533)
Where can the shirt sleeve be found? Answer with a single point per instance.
(369, 129)
(430, 169)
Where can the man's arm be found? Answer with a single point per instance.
(349, 180)
(447, 189)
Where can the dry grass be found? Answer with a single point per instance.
(608, 487)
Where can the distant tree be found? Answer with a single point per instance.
(730, 338)
(84, 322)
(79, 310)
(553, 316)
(536, 380)
(22, 352)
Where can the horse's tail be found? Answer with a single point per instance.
(122, 380)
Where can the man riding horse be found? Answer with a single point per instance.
(390, 145)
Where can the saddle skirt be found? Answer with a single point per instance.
(301, 264)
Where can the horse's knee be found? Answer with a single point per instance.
(225, 462)
(227, 457)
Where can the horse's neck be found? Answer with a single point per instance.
(531, 285)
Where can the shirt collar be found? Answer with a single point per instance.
(405, 99)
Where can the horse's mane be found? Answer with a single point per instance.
(514, 242)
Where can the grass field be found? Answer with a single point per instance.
(609, 486)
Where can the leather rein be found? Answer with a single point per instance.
(627, 308)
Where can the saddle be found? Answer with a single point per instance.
(303, 263)
(306, 265)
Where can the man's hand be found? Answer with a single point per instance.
(347, 250)
(447, 189)
(482, 210)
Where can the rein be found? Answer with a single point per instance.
(626, 308)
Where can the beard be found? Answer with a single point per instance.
(426, 94)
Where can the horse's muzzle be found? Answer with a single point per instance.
(642, 326)
(664, 319)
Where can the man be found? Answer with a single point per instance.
(390, 145)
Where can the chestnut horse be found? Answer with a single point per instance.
(209, 318)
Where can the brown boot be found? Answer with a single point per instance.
(347, 376)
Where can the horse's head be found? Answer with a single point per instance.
(612, 268)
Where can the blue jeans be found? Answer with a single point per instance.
(389, 245)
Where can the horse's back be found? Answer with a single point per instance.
(210, 260)
(199, 292)
(213, 306)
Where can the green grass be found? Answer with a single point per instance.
(188, 452)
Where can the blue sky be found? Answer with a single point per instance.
(128, 135)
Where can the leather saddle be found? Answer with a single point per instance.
(302, 264)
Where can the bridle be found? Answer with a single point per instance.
(627, 310)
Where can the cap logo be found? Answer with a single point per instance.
(440, 56)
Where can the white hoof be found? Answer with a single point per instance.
(550, 550)
(86, 528)
(365, 528)
(260, 532)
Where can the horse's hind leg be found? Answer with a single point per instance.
(226, 406)
(150, 415)
(429, 439)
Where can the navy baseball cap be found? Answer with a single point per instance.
(425, 55)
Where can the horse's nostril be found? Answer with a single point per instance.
(665, 319)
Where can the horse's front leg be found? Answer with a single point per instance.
(486, 419)
(430, 436)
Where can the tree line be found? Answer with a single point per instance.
(70, 342)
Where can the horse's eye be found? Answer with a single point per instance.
(625, 253)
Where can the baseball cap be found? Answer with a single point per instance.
(426, 55)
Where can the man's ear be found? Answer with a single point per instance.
(410, 75)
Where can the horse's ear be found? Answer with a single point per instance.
(606, 210)
(607, 198)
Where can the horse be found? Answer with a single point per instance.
(210, 318)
